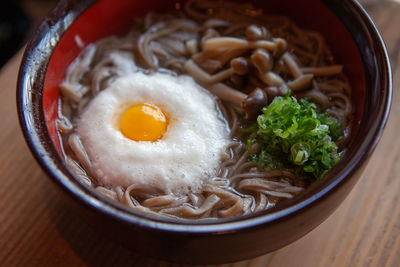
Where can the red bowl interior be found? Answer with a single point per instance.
(109, 17)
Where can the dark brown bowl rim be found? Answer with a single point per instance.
(31, 116)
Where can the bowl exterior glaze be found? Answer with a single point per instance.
(228, 240)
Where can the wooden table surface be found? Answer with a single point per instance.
(37, 229)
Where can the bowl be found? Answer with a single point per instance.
(73, 24)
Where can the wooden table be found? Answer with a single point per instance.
(37, 229)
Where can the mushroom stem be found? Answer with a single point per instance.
(252, 104)
(292, 65)
(271, 78)
(229, 54)
(203, 77)
(301, 83)
(227, 93)
(262, 60)
(237, 43)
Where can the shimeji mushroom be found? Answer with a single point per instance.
(251, 104)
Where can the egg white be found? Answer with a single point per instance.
(188, 153)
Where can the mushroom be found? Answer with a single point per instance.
(262, 60)
(208, 34)
(216, 43)
(203, 77)
(240, 65)
(292, 65)
(229, 54)
(271, 78)
(280, 47)
(252, 104)
(211, 65)
(301, 83)
(272, 91)
(255, 33)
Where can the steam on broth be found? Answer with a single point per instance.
(248, 61)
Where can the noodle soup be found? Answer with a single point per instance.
(245, 66)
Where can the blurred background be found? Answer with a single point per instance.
(18, 19)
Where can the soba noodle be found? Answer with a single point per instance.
(224, 56)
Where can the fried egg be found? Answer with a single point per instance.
(156, 130)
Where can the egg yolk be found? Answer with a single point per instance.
(143, 123)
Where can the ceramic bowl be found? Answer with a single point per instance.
(355, 42)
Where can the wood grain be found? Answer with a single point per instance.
(36, 229)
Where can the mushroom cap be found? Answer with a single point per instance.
(254, 103)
